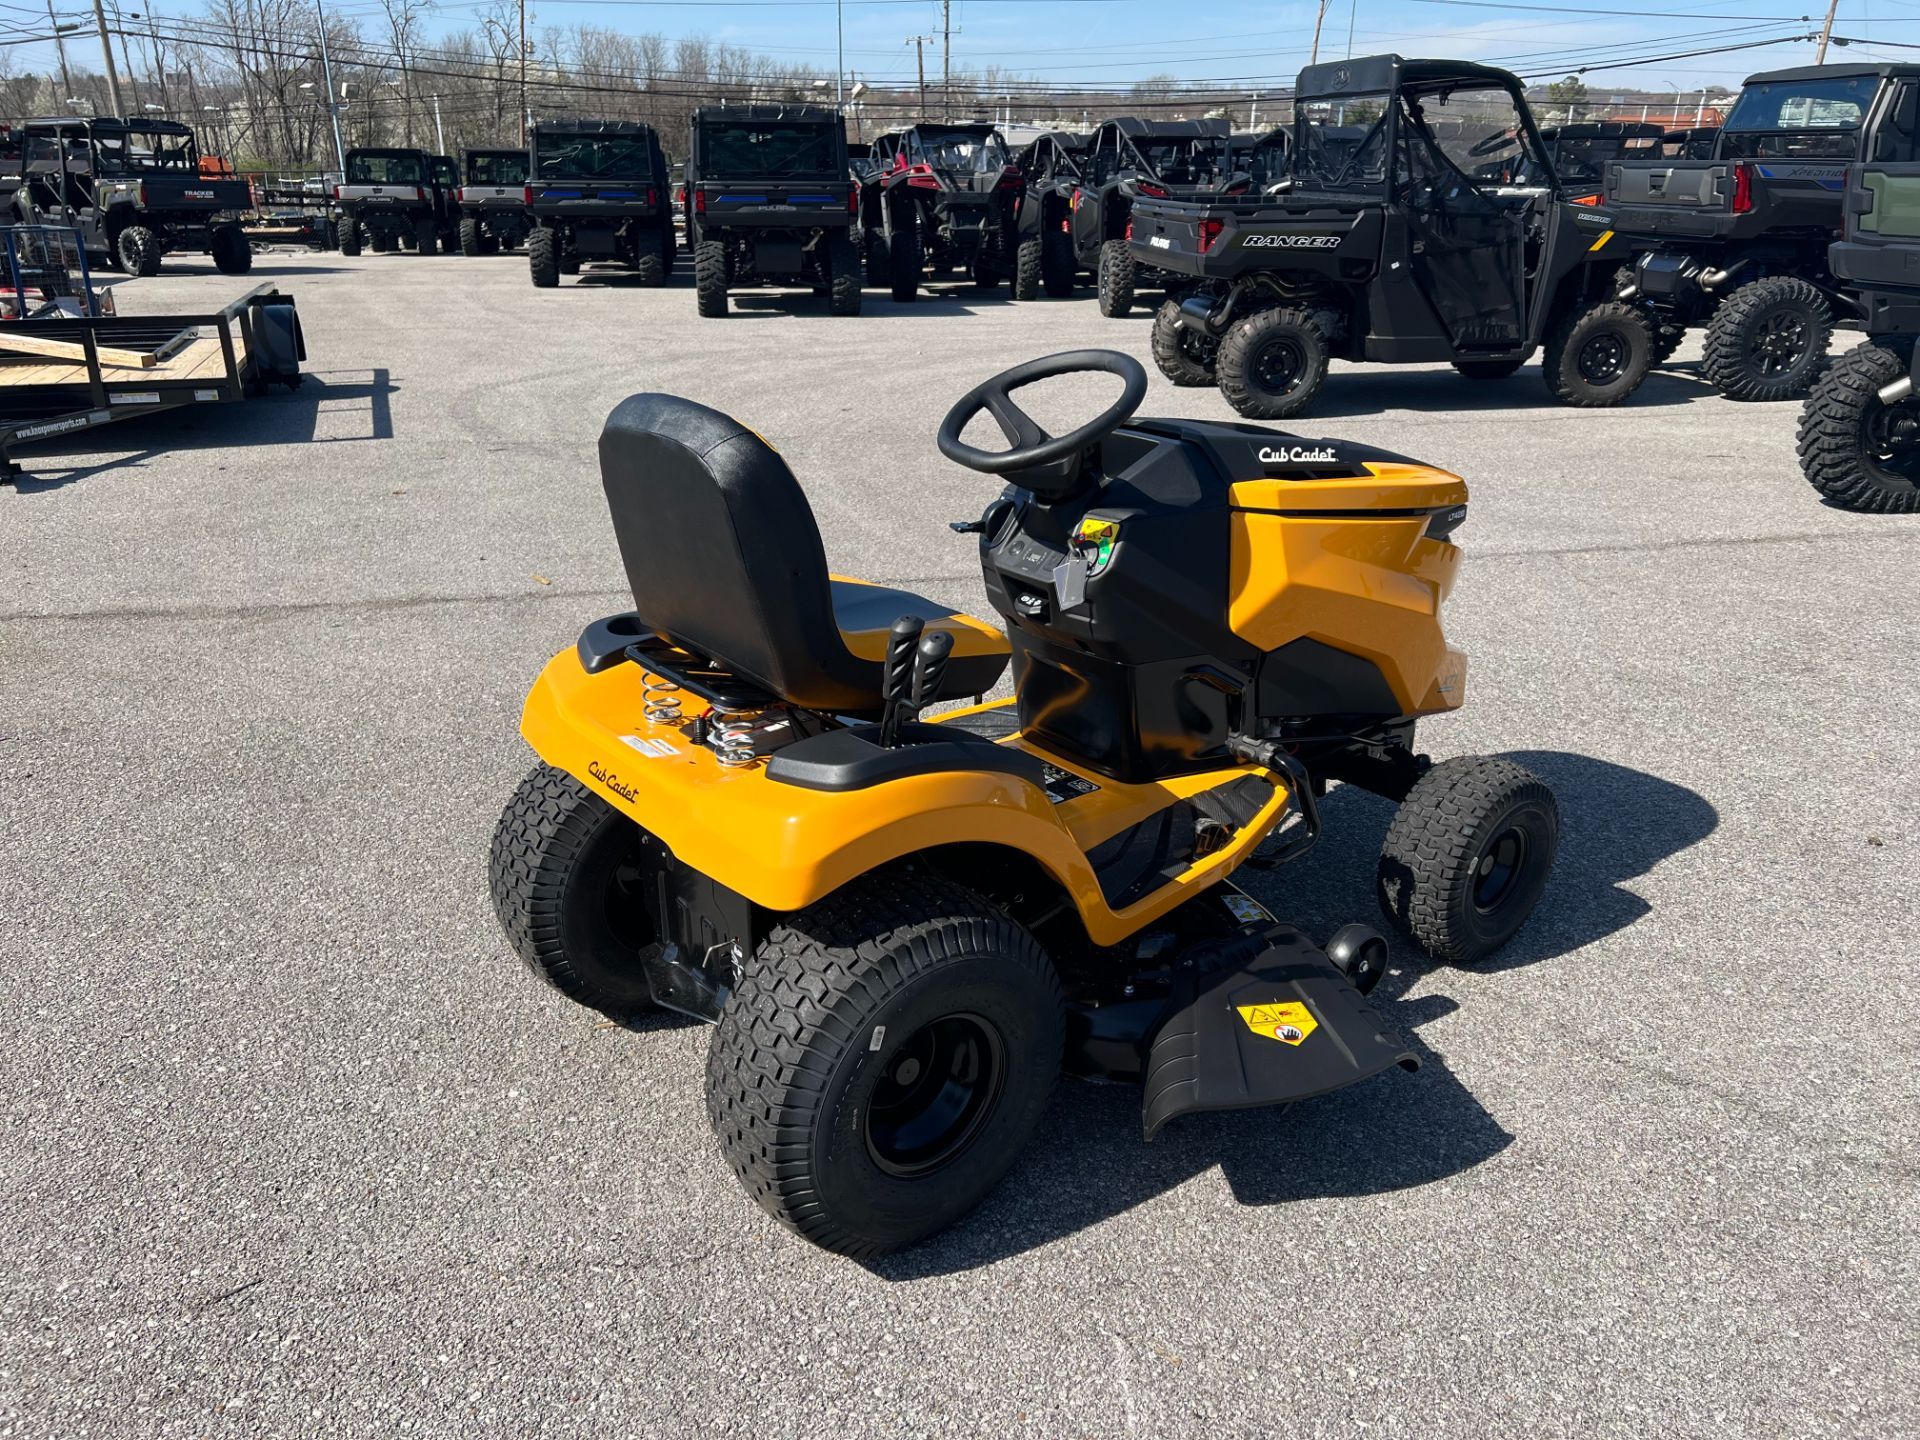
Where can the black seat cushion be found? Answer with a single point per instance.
(724, 558)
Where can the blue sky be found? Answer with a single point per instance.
(1100, 41)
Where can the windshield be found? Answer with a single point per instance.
(959, 150)
(798, 148)
(1341, 145)
(379, 169)
(1476, 132)
(145, 152)
(1585, 157)
(593, 157)
(509, 169)
(1796, 118)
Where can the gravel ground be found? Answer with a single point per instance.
(291, 1145)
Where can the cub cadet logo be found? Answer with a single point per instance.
(1296, 454)
(612, 781)
(1289, 1022)
(1291, 242)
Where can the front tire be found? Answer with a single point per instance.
(1467, 856)
(1859, 453)
(1272, 363)
(566, 875)
(138, 250)
(1026, 271)
(1185, 357)
(710, 278)
(1768, 340)
(1598, 354)
(543, 258)
(884, 1057)
(232, 255)
(1116, 279)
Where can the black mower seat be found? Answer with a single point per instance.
(724, 558)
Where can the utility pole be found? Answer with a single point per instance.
(106, 51)
(126, 55)
(839, 52)
(946, 59)
(1351, 10)
(159, 64)
(333, 96)
(439, 131)
(523, 72)
(1826, 33)
(58, 44)
(920, 43)
(1322, 15)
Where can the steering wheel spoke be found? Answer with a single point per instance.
(1020, 428)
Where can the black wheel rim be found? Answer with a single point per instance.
(1277, 365)
(1890, 440)
(939, 1088)
(1602, 359)
(1497, 873)
(1779, 343)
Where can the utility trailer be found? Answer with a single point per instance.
(60, 375)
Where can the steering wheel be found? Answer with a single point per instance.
(1495, 142)
(1032, 446)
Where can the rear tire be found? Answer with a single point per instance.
(138, 250)
(1858, 453)
(348, 234)
(1059, 268)
(1768, 339)
(567, 883)
(843, 276)
(710, 278)
(1467, 856)
(469, 237)
(1598, 354)
(1116, 279)
(1186, 358)
(903, 265)
(543, 258)
(1487, 369)
(1272, 363)
(650, 266)
(232, 255)
(883, 1059)
(1026, 271)
(426, 237)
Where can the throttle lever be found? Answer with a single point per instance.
(929, 668)
(896, 681)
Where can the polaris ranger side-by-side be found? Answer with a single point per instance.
(768, 199)
(598, 191)
(1130, 159)
(1739, 241)
(1860, 429)
(939, 205)
(1393, 250)
(132, 188)
(395, 199)
(493, 201)
(1050, 172)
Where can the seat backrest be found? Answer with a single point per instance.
(722, 552)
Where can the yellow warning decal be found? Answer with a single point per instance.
(1289, 1022)
(1605, 236)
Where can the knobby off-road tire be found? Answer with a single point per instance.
(232, 255)
(426, 237)
(1666, 340)
(1026, 270)
(567, 885)
(853, 1015)
(469, 237)
(843, 276)
(903, 265)
(710, 278)
(1487, 369)
(1184, 356)
(1857, 452)
(653, 259)
(382, 242)
(489, 243)
(138, 250)
(874, 243)
(1058, 265)
(1116, 279)
(1768, 340)
(543, 258)
(1467, 856)
(1272, 363)
(1597, 355)
(348, 234)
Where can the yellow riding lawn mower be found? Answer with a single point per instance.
(906, 926)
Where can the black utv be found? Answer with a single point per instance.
(1738, 241)
(132, 188)
(1860, 429)
(940, 205)
(1131, 159)
(1582, 150)
(598, 191)
(767, 200)
(396, 199)
(1395, 250)
(1050, 172)
(493, 201)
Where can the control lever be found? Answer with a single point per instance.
(930, 668)
(968, 527)
(896, 681)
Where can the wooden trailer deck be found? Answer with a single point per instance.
(199, 357)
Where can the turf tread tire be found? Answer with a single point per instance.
(1725, 360)
(1832, 456)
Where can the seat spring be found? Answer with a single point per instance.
(662, 699)
(731, 736)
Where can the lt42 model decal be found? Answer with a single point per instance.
(1291, 242)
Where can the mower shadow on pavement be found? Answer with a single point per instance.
(278, 418)
(1088, 1163)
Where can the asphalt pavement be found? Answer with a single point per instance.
(290, 1145)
